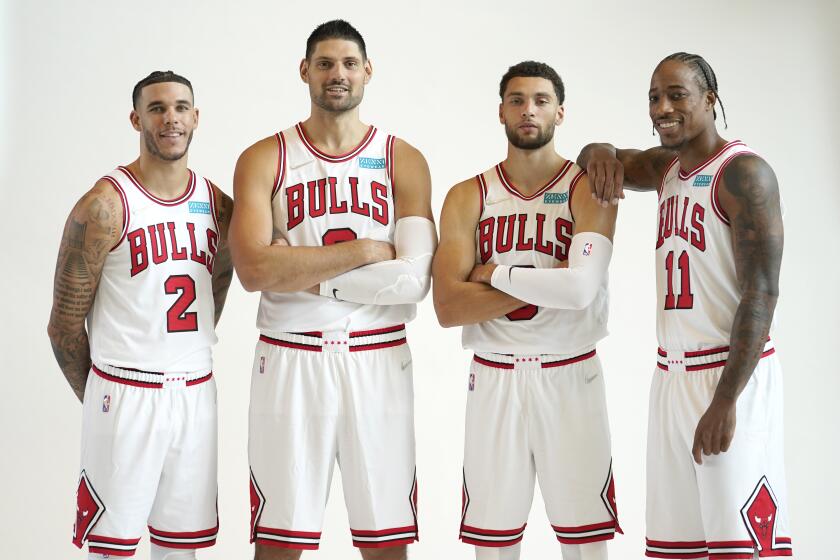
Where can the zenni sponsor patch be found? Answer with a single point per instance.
(371, 163)
(702, 181)
(555, 197)
(199, 207)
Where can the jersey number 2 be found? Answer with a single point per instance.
(685, 299)
(177, 318)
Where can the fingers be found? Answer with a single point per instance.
(607, 179)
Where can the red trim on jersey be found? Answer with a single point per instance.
(110, 551)
(514, 534)
(683, 175)
(665, 176)
(675, 549)
(572, 186)
(213, 205)
(711, 365)
(200, 380)
(315, 536)
(677, 555)
(512, 189)
(126, 215)
(716, 205)
(335, 158)
(285, 344)
(378, 345)
(544, 365)
(114, 378)
(500, 365)
(184, 534)
(382, 537)
(280, 173)
(385, 330)
(389, 158)
(174, 202)
(482, 192)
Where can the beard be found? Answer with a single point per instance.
(350, 102)
(152, 146)
(544, 137)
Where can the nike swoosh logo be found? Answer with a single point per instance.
(492, 202)
(335, 293)
(404, 365)
(589, 379)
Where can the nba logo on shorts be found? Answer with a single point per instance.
(587, 249)
(106, 403)
(262, 364)
(472, 382)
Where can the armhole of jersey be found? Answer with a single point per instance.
(280, 174)
(665, 176)
(716, 205)
(482, 193)
(124, 202)
(572, 186)
(213, 213)
(389, 159)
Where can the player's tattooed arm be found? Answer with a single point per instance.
(278, 267)
(94, 226)
(457, 299)
(749, 195)
(223, 265)
(611, 170)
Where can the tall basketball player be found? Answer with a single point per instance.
(716, 395)
(522, 265)
(333, 225)
(144, 261)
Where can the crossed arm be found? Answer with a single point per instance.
(223, 266)
(91, 231)
(262, 266)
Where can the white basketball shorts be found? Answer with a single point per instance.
(537, 416)
(148, 458)
(735, 503)
(318, 398)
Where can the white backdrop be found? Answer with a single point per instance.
(68, 70)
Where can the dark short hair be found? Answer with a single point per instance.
(335, 29)
(533, 69)
(158, 77)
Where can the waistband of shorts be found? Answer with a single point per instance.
(697, 360)
(536, 361)
(150, 379)
(339, 341)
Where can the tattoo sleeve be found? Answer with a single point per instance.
(91, 230)
(223, 268)
(751, 198)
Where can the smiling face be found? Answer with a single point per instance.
(166, 118)
(530, 112)
(336, 73)
(680, 110)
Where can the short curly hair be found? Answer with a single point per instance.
(533, 69)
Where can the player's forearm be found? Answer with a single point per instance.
(72, 352)
(222, 277)
(279, 268)
(585, 156)
(749, 335)
(467, 303)
(398, 281)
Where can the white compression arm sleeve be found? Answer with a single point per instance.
(561, 288)
(406, 279)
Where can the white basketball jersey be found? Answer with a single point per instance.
(532, 231)
(321, 199)
(697, 287)
(154, 308)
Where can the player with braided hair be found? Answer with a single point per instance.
(716, 393)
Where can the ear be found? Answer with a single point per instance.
(561, 114)
(135, 120)
(711, 99)
(501, 115)
(304, 70)
(368, 71)
(196, 118)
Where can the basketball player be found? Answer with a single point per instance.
(522, 265)
(349, 209)
(144, 260)
(716, 394)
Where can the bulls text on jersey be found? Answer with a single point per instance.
(679, 215)
(314, 200)
(159, 243)
(496, 235)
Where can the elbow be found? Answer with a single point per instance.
(248, 279)
(446, 315)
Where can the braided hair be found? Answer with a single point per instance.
(704, 75)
